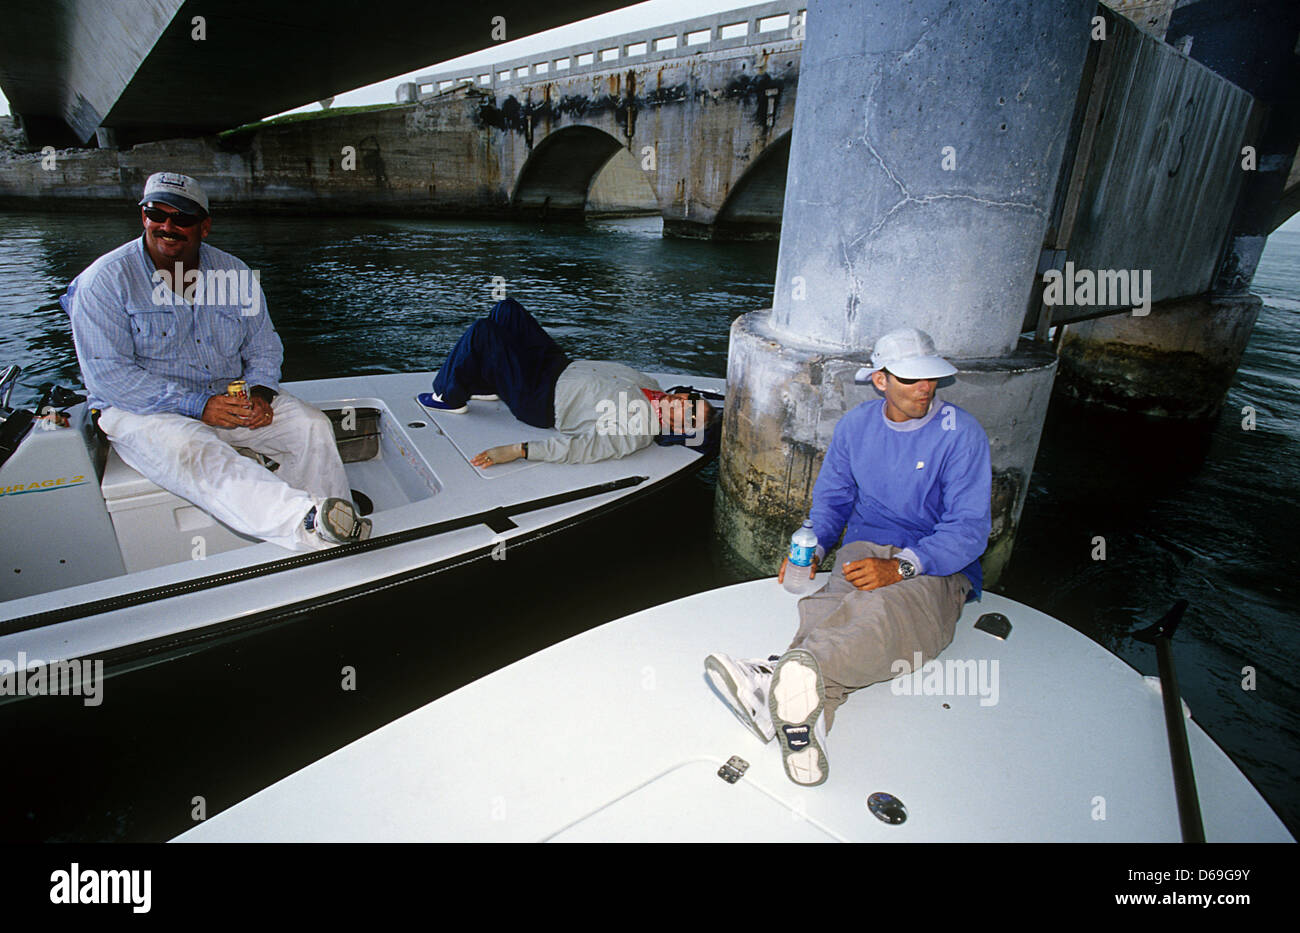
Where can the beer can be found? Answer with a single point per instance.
(238, 388)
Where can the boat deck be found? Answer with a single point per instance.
(616, 734)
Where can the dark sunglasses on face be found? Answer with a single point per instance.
(178, 218)
(906, 382)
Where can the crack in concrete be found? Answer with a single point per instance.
(938, 17)
(866, 138)
(854, 302)
(928, 198)
(850, 246)
(908, 197)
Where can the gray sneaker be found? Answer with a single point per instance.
(337, 522)
(797, 699)
(743, 684)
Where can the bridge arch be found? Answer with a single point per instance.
(557, 178)
(754, 206)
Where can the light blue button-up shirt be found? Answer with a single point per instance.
(146, 349)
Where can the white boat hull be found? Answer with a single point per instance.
(615, 734)
(421, 477)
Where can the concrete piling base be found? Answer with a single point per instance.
(1176, 362)
(782, 405)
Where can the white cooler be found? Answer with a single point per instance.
(155, 527)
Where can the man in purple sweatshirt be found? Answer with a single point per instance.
(907, 482)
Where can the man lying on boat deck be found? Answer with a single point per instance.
(162, 325)
(907, 481)
(602, 410)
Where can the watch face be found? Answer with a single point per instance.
(906, 567)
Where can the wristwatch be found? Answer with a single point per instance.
(906, 568)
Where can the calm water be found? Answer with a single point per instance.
(1205, 514)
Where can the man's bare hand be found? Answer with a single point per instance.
(780, 574)
(872, 572)
(262, 413)
(228, 411)
(494, 455)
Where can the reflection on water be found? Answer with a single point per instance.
(1206, 514)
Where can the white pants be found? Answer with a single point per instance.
(198, 462)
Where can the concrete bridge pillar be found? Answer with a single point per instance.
(925, 152)
(1178, 362)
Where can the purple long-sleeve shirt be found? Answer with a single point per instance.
(922, 485)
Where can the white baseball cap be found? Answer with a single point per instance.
(908, 354)
(180, 191)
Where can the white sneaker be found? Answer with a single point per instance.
(337, 522)
(797, 701)
(486, 398)
(744, 687)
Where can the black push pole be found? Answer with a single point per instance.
(1180, 756)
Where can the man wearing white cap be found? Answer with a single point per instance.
(162, 325)
(907, 482)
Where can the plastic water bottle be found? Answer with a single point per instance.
(803, 551)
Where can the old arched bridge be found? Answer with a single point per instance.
(691, 120)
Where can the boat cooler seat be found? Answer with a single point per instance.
(155, 527)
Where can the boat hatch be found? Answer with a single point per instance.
(491, 425)
(690, 804)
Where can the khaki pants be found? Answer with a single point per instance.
(857, 636)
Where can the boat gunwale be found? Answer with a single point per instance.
(137, 655)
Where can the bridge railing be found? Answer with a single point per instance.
(761, 24)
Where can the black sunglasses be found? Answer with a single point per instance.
(693, 394)
(179, 218)
(901, 381)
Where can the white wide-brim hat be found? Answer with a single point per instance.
(908, 354)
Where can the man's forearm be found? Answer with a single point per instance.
(133, 389)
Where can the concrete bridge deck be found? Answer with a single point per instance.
(158, 69)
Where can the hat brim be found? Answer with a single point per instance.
(178, 201)
(923, 367)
